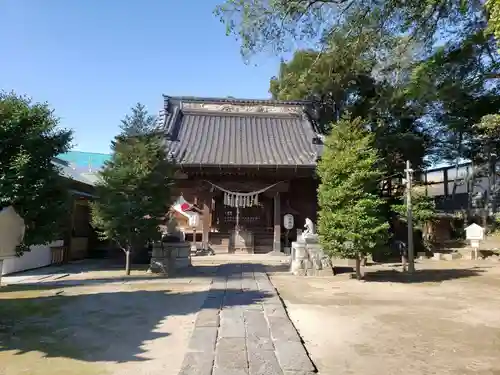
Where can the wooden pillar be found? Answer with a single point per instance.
(277, 223)
(206, 222)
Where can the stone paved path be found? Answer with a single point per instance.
(243, 329)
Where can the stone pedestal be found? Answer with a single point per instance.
(308, 259)
(299, 257)
(182, 256)
(170, 257)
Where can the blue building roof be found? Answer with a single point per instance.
(89, 161)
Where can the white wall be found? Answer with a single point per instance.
(480, 185)
(39, 256)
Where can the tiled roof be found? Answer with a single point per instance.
(207, 137)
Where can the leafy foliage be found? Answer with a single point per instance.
(354, 76)
(493, 8)
(423, 209)
(138, 122)
(29, 140)
(134, 192)
(279, 25)
(456, 87)
(351, 217)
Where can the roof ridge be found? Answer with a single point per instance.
(206, 112)
(273, 102)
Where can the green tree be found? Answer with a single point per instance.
(454, 85)
(355, 76)
(30, 182)
(277, 25)
(352, 220)
(138, 122)
(423, 210)
(493, 8)
(134, 191)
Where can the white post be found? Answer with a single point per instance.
(1, 269)
(409, 218)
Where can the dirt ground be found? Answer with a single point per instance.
(444, 321)
(98, 323)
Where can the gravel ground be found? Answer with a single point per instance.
(445, 322)
(89, 325)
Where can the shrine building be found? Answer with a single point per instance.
(243, 165)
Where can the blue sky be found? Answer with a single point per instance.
(91, 60)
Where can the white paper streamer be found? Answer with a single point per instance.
(237, 199)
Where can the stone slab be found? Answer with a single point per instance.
(282, 329)
(292, 356)
(246, 299)
(256, 324)
(273, 301)
(207, 318)
(212, 302)
(203, 339)
(231, 356)
(243, 329)
(263, 362)
(232, 324)
(259, 343)
(197, 364)
(275, 310)
(226, 371)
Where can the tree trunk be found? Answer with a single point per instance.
(364, 260)
(359, 276)
(127, 261)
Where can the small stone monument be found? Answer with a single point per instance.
(308, 257)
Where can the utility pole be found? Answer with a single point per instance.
(409, 218)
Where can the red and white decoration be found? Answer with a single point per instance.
(182, 205)
(185, 208)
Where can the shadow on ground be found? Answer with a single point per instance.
(208, 271)
(105, 326)
(422, 276)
